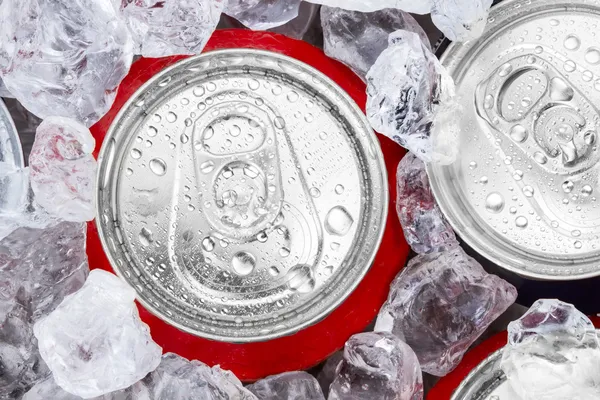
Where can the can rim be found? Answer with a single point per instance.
(103, 161)
(498, 19)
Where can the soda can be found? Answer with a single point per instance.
(524, 190)
(242, 194)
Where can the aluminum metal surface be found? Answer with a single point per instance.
(486, 382)
(242, 194)
(524, 191)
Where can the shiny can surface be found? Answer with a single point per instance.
(524, 192)
(242, 194)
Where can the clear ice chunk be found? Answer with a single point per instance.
(460, 20)
(63, 58)
(357, 38)
(377, 365)
(425, 228)
(38, 268)
(553, 353)
(263, 14)
(4, 91)
(303, 26)
(440, 304)
(166, 28)
(328, 371)
(297, 385)
(63, 170)
(411, 6)
(47, 389)
(406, 86)
(94, 342)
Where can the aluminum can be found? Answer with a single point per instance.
(242, 194)
(524, 191)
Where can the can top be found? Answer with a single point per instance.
(242, 194)
(524, 191)
(10, 144)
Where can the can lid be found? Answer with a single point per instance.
(523, 192)
(478, 376)
(313, 344)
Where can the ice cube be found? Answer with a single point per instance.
(377, 365)
(297, 385)
(328, 371)
(166, 28)
(425, 228)
(460, 20)
(263, 14)
(411, 6)
(4, 91)
(357, 38)
(63, 170)
(63, 58)
(47, 389)
(94, 342)
(553, 353)
(303, 26)
(179, 379)
(406, 86)
(440, 304)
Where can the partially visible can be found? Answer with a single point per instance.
(524, 192)
(242, 194)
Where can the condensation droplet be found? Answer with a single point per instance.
(279, 123)
(518, 133)
(488, 102)
(243, 263)
(171, 117)
(494, 202)
(572, 42)
(158, 166)
(207, 166)
(577, 244)
(314, 192)
(505, 70)
(568, 186)
(528, 191)
(472, 165)
(273, 271)
(152, 131)
(338, 221)
(208, 244)
(586, 190)
(292, 96)
(569, 66)
(540, 157)
(145, 237)
(521, 221)
(135, 153)
(253, 84)
(339, 189)
(300, 279)
(518, 175)
(592, 56)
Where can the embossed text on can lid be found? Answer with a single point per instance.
(242, 194)
(524, 191)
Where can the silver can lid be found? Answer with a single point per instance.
(524, 191)
(242, 194)
(486, 382)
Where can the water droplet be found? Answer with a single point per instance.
(586, 190)
(505, 70)
(528, 191)
(279, 123)
(274, 271)
(518, 133)
(284, 252)
(152, 131)
(334, 246)
(145, 237)
(235, 130)
(488, 102)
(576, 233)
(338, 221)
(135, 153)
(171, 116)
(129, 171)
(526, 101)
(300, 279)
(158, 166)
(198, 91)
(587, 76)
(592, 56)
(208, 244)
(577, 244)
(572, 42)
(184, 138)
(494, 202)
(590, 137)
(314, 192)
(276, 90)
(569, 66)
(554, 22)
(339, 189)
(540, 158)
(211, 86)
(518, 175)
(323, 135)
(521, 221)
(554, 224)
(207, 166)
(513, 210)
(483, 180)
(243, 263)
(292, 97)
(253, 84)
(539, 49)
(262, 236)
(568, 186)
